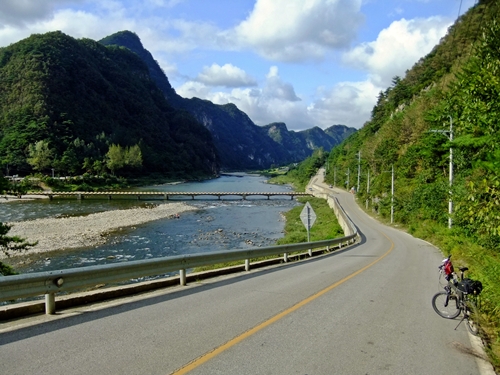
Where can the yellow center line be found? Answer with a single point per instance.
(207, 356)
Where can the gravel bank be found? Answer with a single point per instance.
(91, 230)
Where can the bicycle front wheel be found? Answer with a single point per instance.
(446, 305)
(472, 317)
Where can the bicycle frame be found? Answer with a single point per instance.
(465, 303)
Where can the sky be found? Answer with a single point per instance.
(302, 62)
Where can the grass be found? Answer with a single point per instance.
(283, 179)
(325, 227)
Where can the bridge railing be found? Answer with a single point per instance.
(162, 194)
(51, 282)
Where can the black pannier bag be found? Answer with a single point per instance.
(470, 286)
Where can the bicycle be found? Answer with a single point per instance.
(459, 297)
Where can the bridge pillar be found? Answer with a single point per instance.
(218, 196)
(138, 197)
(79, 197)
(268, 197)
(51, 197)
(50, 304)
(165, 196)
(244, 196)
(110, 197)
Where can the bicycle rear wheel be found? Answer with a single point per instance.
(446, 305)
(471, 314)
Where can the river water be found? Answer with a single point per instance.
(229, 223)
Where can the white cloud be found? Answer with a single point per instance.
(276, 101)
(397, 48)
(347, 103)
(275, 88)
(285, 30)
(227, 75)
(192, 89)
(21, 12)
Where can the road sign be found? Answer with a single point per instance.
(308, 216)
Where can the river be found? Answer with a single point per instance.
(228, 223)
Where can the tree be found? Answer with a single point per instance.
(98, 167)
(133, 157)
(40, 155)
(4, 184)
(115, 158)
(119, 157)
(9, 244)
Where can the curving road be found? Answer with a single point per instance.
(363, 310)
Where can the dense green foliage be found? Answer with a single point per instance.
(299, 174)
(9, 244)
(65, 102)
(457, 84)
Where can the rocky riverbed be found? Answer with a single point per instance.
(90, 230)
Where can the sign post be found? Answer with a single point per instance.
(308, 217)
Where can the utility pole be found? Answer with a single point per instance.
(450, 201)
(392, 195)
(367, 188)
(359, 169)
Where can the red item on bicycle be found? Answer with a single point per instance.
(448, 268)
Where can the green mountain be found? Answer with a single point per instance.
(240, 143)
(458, 82)
(65, 102)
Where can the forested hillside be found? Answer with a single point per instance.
(76, 106)
(241, 144)
(455, 87)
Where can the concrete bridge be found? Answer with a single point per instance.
(164, 195)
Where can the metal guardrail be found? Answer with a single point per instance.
(51, 282)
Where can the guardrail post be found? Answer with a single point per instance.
(182, 277)
(50, 303)
(310, 252)
(247, 264)
(285, 257)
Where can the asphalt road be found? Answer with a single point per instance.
(363, 310)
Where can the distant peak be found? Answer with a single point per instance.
(125, 38)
